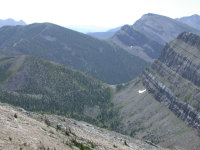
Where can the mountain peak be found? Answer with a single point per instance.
(193, 21)
(195, 15)
(11, 22)
(161, 28)
(150, 14)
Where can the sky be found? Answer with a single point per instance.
(101, 14)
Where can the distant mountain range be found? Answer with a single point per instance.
(104, 35)
(193, 21)
(147, 36)
(161, 28)
(87, 29)
(11, 22)
(102, 59)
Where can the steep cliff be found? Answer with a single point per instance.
(163, 105)
(144, 117)
(174, 79)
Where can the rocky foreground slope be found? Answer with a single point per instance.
(25, 130)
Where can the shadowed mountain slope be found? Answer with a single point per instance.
(105, 61)
(137, 43)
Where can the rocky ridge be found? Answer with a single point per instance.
(96, 57)
(160, 28)
(193, 21)
(11, 22)
(174, 79)
(137, 43)
(163, 105)
(164, 95)
(144, 117)
(148, 35)
(26, 130)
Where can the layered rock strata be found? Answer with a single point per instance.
(174, 79)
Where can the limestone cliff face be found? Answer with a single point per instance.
(174, 79)
(164, 95)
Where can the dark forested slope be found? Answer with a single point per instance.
(40, 85)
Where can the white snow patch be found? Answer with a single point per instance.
(141, 91)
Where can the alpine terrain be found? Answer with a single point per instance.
(26, 130)
(193, 21)
(40, 85)
(148, 35)
(99, 58)
(163, 105)
(143, 82)
(11, 22)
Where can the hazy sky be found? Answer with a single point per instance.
(99, 13)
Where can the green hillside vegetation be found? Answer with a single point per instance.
(44, 86)
(99, 58)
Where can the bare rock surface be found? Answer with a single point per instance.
(20, 129)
